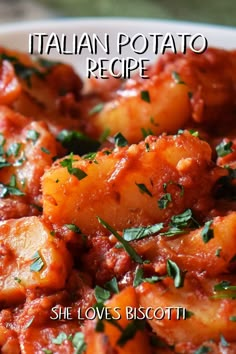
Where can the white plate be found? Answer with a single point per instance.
(17, 35)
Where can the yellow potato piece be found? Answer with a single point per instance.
(22, 243)
(113, 187)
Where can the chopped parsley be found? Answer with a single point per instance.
(96, 109)
(43, 149)
(77, 172)
(74, 228)
(130, 250)
(60, 338)
(120, 140)
(137, 233)
(224, 148)
(232, 318)
(180, 186)
(77, 142)
(224, 285)
(112, 285)
(207, 233)
(146, 132)
(101, 294)
(10, 189)
(164, 201)
(23, 71)
(223, 341)
(47, 351)
(153, 122)
(175, 273)
(18, 280)
(32, 135)
(218, 251)
(143, 188)
(203, 350)
(4, 162)
(37, 264)
(147, 147)
(177, 78)
(139, 278)
(145, 96)
(130, 331)
(105, 134)
(14, 149)
(79, 343)
(179, 224)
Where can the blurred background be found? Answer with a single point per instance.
(208, 11)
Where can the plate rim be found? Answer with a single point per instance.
(100, 21)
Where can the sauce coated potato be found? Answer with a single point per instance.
(117, 179)
(30, 258)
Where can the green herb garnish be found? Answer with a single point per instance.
(77, 142)
(177, 78)
(130, 250)
(74, 228)
(207, 233)
(137, 233)
(175, 273)
(96, 109)
(143, 188)
(37, 264)
(77, 172)
(32, 135)
(120, 140)
(224, 148)
(164, 201)
(145, 96)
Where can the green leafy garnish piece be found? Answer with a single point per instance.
(143, 188)
(203, 350)
(223, 341)
(175, 273)
(185, 313)
(32, 135)
(77, 142)
(224, 148)
(96, 109)
(164, 201)
(101, 294)
(79, 343)
(4, 162)
(73, 228)
(45, 150)
(37, 264)
(137, 233)
(23, 71)
(130, 331)
(112, 285)
(60, 338)
(130, 250)
(146, 132)
(218, 251)
(14, 149)
(232, 318)
(145, 96)
(139, 278)
(47, 351)
(224, 285)
(207, 233)
(120, 140)
(177, 78)
(77, 172)
(10, 189)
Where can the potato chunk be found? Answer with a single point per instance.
(207, 317)
(27, 149)
(124, 187)
(30, 258)
(191, 252)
